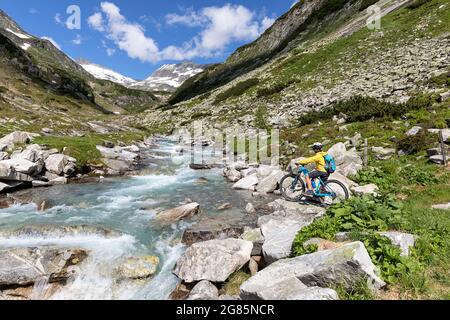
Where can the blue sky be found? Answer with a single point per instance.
(135, 37)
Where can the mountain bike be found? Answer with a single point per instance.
(328, 192)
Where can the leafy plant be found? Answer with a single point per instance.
(261, 118)
(417, 143)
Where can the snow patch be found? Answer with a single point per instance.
(20, 35)
(25, 46)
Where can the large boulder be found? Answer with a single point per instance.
(270, 183)
(204, 290)
(294, 211)
(9, 173)
(342, 156)
(16, 138)
(213, 260)
(31, 153)
(345, 266)
(137, 268)
(341, 178)
(247, 183)
(118, 153)
(337, 150)
(20, 166)
(278, 238)
(26, 266)
(224, 226)
(181, 212)
(59, 163)
(349, 169)
(294, 289)
(232, 175)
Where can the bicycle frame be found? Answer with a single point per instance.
(319, 185)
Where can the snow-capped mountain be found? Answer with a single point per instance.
(169, 77)
(103, 73)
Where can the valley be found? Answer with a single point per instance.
(95, 162)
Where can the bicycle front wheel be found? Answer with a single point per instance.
(336, 191)
(292, 187)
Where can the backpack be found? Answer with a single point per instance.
(330, 164)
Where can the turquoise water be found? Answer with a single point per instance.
(127, 205)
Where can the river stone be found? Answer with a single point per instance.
(56, 163)
(247, 183)
(137, 268)
(225, 206)
(222, 227)
(117, 153)
(265, 171)
(248, 172)
(256, 237)
(337, 150)
(213, 260)
(204, 290)
(16, 137)
(43, 231)
(294, 211)
(233, 175)
(344, 266)
(32, 153)
(40, 184)
(270, 183)
(21, 166)
(9, 173)
(278, 238)
(117, 166)
(250, 209)
(404, 241)
(58, 181)
(26, 266)
(370, 189)
(186, 211)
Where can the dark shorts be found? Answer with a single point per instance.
(319, 174)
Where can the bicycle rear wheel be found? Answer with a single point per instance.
(292, 187)
(336, 191)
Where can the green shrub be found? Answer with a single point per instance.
(415, 144)
(200, 115)
(236, 90)
(360, 108)
(362, 218)
(441, 80)
(274, 89)
(261, 116)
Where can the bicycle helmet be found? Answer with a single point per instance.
(317, 146)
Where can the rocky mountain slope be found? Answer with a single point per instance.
(169, 77)
(322, 62)
(39, 85)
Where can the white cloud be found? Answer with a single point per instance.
(220, 26)
(32, 11)
(78, 40)
(52, 41)
(96, 22)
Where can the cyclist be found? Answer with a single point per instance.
(320, 172)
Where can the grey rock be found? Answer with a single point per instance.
(349, 169)
(56, 163)
(4, 187)
(9, 173)
(16, 137)
(439, 159)
(270, 183)
(26, 266)
(250, 209)
(20, 166)
(278, 238)
(344, 266)
(4, 156)
(248, 172)
(370, 189)
(39, 184)
(413, 131)
(117, 167)
(247, 183)
(445, 206)
(204, 290)
(444, 96)
(383, 153)
(59, 181)
(232, 175)
(404, 241)
(137, 268)
(213, 260)
(176, 214)
(256, 237)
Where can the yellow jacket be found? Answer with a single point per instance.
(318, 159)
